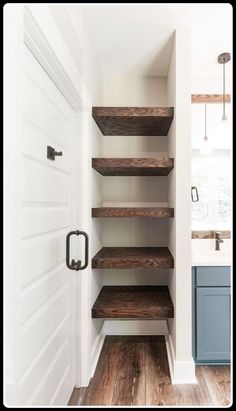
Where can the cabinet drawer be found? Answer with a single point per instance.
(213, 276)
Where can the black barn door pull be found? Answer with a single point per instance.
(76, 265)
(51, 153)
(196, 192)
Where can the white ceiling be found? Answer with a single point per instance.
(137, 38)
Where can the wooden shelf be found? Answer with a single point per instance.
(201, 234)
(133, 121)
(121, 212)
(142, 302)
(133, 257)
(133, 166)
(210, 98)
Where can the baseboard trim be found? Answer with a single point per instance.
(181, 372)
(97, 348)
(170, 355)
(134, 327)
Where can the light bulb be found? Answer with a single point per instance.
(224, 118)
(206, 146)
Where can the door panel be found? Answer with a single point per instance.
(30, 379)
(49, 254)
(45, 111)
(213, 323)
(46, 215)
(36, 220)
(33, 144)
(56, 191)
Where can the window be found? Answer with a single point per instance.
(212, 177)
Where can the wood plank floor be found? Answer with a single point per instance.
(133, 370)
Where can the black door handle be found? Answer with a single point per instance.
(196, 192)
(51, 153)
(76, 265)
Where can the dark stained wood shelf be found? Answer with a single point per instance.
(133, 257)
(133, 121)
(121, 212)
(153, 302)
(133, 166)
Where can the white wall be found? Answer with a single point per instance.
(212, 84)
(179, 96)
(133, 91)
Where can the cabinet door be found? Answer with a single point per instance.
(213, 323)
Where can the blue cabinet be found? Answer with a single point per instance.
(211, 314)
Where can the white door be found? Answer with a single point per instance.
(45, 287)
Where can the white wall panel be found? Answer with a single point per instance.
(39, 327)
(42, 111)
(35, 295)
(41, 256)
(135, 277)
(37, 221)
(33, 373)
(53, 374)
(135, 189)
(47, 87)
(34, 189)
(135, 232)
(34, 142)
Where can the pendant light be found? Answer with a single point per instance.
(205, 147)
(222, 59)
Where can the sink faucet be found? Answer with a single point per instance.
(218, 240)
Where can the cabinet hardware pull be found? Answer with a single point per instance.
(51, 153)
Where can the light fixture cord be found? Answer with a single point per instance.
(205, 120)
(223, 90)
